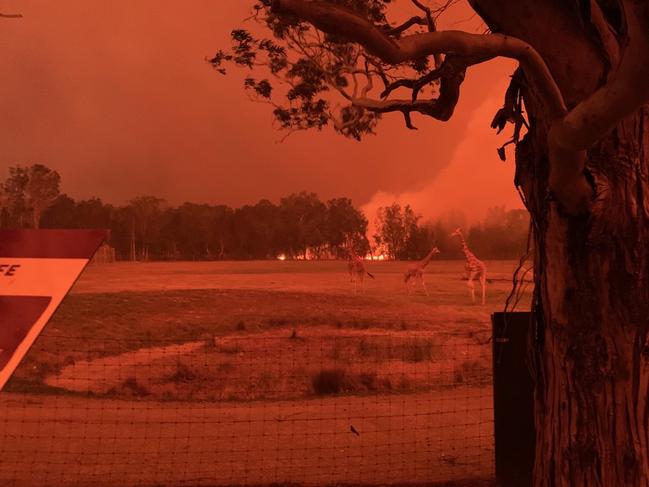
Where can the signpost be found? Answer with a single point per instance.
(37, 269)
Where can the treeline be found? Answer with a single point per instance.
(299, 226)
(502, 235)
(148, 228)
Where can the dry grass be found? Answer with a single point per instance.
(120, 308)
(474, 372)
(283, 364)
(307, 356)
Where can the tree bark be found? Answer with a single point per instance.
(590, 353)
(36, 218)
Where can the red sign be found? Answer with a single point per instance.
(37, 269)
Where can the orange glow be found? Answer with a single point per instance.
(97, 90)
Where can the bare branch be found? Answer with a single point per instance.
(441, 108)
(431, 26)
(397, 31)
(408, 120)
(429, 15)
(11, 16)
(414, 84)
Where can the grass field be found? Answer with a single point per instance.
(254, 372)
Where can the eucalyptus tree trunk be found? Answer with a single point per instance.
(591, 351)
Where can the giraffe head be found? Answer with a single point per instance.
(457, 232)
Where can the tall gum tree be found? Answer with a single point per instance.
(582, 168)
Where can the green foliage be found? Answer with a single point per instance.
(399, 233)
(503, 234)
(27, 193)
(311, 72)
(300, 225)
(346, 227)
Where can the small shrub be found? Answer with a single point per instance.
(367, 349)
(264, 382)
(419, 350)
(369, 381)
(329, 381)
(182, 374)
(69, 360)
(225, 367)
(211, 343)
(336, 351)
(404, 383)
(278, 322)
(386, 384)
(231, 348)
(132, 387)
(470, 371)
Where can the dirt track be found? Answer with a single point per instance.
(72, 441)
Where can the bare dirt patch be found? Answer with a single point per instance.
(285, 363)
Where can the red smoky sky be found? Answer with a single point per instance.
(116, 95)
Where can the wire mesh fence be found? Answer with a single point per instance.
(310, 406)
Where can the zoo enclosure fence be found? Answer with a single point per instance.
(295, 406)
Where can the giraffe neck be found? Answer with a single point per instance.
(468, 255)
(426, 260)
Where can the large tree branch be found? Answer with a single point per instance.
(452, 74)
(337, 20)
(439, 109)
(431, 26)
(397, 31)
(626, 90)
(605, 34)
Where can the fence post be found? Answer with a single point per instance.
(513, 400)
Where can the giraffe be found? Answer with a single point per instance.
(474, 267)
(416, 271)
(356, 268)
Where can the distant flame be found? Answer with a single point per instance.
(376, 257)
(281, 257)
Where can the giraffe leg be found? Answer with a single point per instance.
(483, 284)
(471, 286)
(420, 278)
